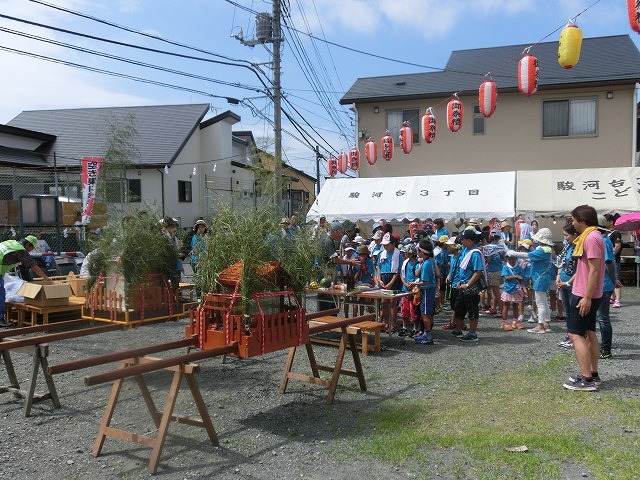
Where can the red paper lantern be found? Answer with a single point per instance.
(371, 151)
(386, 145)
(569, 45)
(633, 7)
(429, 126)
(528, 75)
(354, 159)
(343, 160)
(487, 95)
(406, 137)
(332, 165)
(455, 114)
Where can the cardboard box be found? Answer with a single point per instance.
(45, 295)
(78, 284)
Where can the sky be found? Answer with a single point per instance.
(412, 35)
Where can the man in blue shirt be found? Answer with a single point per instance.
(470, 270)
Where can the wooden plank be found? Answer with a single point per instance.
(117, 356)
(52, 337)
(43, 328)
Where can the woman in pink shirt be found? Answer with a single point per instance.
(585, 298)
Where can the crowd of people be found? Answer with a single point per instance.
(520, 276)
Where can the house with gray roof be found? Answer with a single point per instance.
(169, 158)
(582, 117)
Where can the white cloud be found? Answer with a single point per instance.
(29, 83)
(427, 18)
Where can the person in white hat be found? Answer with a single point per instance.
(543, 272)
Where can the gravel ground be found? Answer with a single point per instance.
(264, 434)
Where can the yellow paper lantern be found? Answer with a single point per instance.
(569, 45)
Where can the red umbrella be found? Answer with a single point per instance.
(628, 222)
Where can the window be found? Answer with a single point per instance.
(184, 191)
(478, 121)
(135, 190)
(395, 118)
(569, 118)
(115, 190)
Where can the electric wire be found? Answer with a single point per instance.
(129, 61)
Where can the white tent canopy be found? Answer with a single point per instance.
(557, 192)
(481, 195)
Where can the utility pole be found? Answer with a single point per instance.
(269, 30)
(318, 158)
(277, 109)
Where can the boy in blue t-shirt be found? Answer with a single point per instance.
(452, 281)
(428, 284)
(471, 269)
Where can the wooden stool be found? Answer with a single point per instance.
(361, 328)
(367, 328)
(161, 419)
(39, 354)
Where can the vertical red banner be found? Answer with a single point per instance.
(90, 170)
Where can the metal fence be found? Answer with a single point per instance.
(65, 183)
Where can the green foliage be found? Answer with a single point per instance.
(121, 153)
(477, 421)
(253, 237)
(134, 246)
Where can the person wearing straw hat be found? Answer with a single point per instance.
(543, 272)
(12, 253)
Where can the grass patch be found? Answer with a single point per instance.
(465, 427)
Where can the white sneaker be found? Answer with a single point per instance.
(532, 319)
(521, 318)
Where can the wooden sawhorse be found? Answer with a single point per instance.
(161, 419)
(321, 324)
(364, 329)
(39, 354)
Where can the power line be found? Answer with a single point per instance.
(111, 73)
(138, 47)
(138, 32)
(130, 61)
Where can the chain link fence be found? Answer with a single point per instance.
(65, 184)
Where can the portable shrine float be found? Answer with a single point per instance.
(153, 299)
(268, 321)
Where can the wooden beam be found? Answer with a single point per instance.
(42, 328)
(158, 365)
(121, 355)
(10, 344)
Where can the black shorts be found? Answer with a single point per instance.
(386, 278)
(453, 295)
(467, 304)
(577, 324)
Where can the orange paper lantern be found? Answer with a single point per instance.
(406, 138)
(429, 126)
(386, 145)
(371, 151)
(528, 75)
(633, 7)
(455, 114)
(332, 166)
(343, 160)
(487, 96)
(569, 45)
(354, 159)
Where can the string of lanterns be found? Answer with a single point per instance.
(569, 47)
